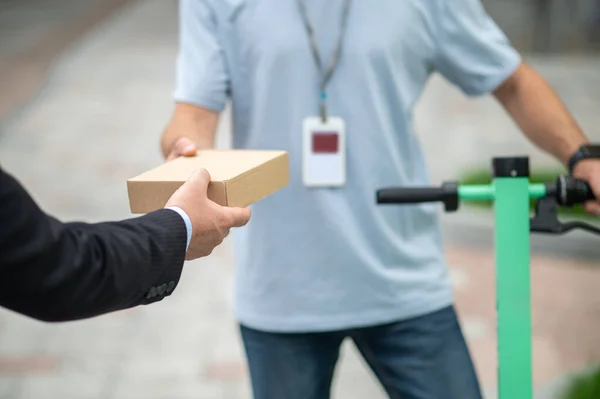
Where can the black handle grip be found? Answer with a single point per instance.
(571, 191)
(447, 193)
(410, 195)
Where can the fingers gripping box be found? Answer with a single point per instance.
(238, 178)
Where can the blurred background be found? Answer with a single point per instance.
(85, 90)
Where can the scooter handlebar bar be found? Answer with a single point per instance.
(410, 195)
(446, 193)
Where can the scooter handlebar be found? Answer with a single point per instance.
(446, 193)
(410, 195)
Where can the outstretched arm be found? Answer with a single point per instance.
(56, 271)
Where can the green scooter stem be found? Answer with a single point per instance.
(513, 279)
(513, 287)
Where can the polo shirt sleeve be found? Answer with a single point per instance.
(471, 51)
(201, 71)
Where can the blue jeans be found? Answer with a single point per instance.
(421, 358)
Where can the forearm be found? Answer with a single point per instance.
(540, 114)
(125, 261)
(84, 270)
(196, 123)
(66, 271)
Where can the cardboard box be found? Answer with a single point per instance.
(238, 178)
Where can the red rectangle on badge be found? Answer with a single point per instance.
(325, 143)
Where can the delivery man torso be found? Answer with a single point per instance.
(320, 255)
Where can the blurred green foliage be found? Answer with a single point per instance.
(585, 387)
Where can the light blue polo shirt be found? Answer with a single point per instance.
(331, 258)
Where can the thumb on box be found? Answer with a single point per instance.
(200, 178)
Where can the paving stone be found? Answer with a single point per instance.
(475, 328)
(19, 335)
(29, 364)
(167, 387)
(353, 379)
(235, 370)
(93, 339)
(8, 387)
(71, 385)
(460, 278)
(37, 32)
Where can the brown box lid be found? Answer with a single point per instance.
(238, 178)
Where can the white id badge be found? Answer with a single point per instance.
(324, 160)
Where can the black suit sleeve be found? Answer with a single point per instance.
(55, 271)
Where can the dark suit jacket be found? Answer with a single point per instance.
(55, 271)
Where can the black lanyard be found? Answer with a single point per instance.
(334, 57)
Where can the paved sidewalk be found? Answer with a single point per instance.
(98, 122)
(33, 33)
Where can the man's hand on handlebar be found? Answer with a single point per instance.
(589, 171)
